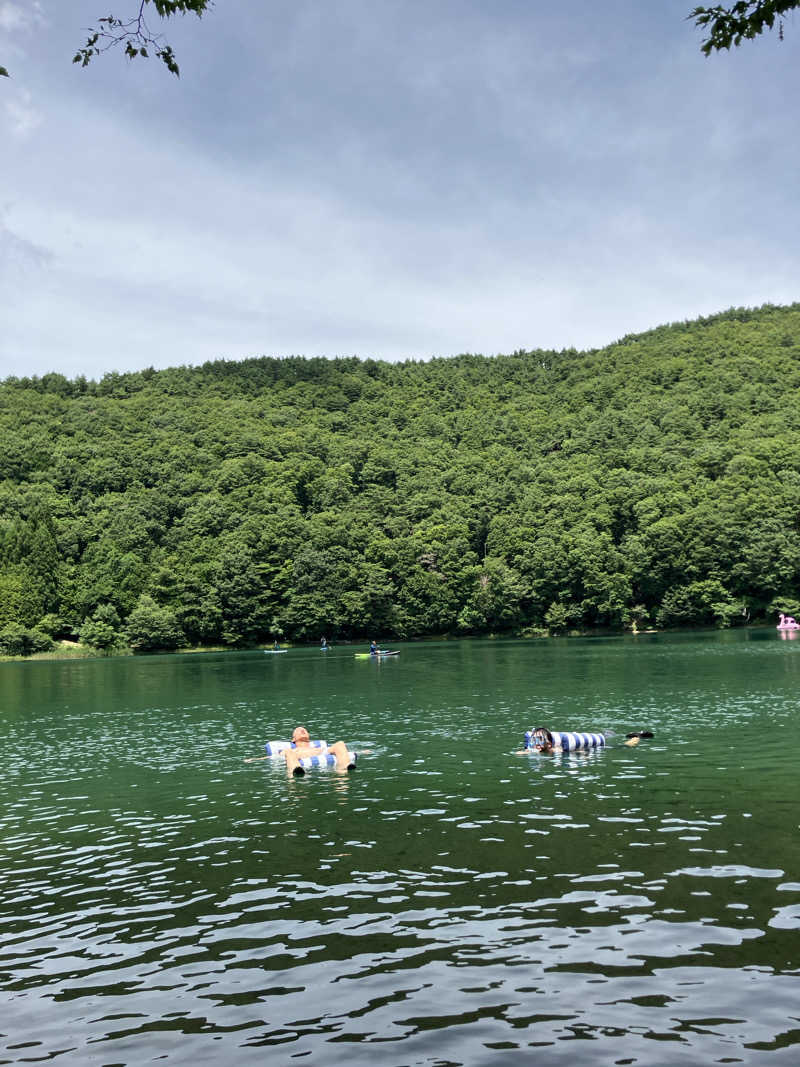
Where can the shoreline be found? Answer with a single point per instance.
(73, 650)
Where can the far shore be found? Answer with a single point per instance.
(74, 650)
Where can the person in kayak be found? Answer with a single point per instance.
(373, 649)
(345, 760)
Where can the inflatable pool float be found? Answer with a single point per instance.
(568, 741)
(325, 759)
(274, 748)
(321, 758)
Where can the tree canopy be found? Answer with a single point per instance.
(655, 481)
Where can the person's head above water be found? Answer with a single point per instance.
(542, 739)
(300, 735)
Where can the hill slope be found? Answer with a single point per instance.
(656, 479)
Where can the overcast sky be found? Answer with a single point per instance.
(386, 178)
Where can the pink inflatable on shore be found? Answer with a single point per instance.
(786, 622)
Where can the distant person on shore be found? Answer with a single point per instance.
(345, 760)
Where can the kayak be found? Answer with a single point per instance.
(274, 651)
(375, 655)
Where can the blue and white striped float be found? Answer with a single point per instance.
(569, 741)
(324, 759)
(274, 748)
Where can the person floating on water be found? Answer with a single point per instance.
(345, 760)
(542, 741)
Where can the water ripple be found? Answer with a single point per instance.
(449, 903)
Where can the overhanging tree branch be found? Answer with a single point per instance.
(742, 21)
(135, 35)
(726, 26)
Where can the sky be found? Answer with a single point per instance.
(390, 179)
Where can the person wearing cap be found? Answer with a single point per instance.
(303, 747)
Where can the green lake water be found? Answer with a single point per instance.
(449, 902)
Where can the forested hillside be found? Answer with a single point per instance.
(656, 480)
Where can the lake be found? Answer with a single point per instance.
(449, 902)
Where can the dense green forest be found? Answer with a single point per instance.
(655, 481)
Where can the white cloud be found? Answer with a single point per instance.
(20, 115)
(374, 181)
(14, 18)
(18, 256)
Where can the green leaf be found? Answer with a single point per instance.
(4, 73)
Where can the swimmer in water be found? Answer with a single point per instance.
(542, 741)
(345, 760)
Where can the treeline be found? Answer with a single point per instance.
(656, 481)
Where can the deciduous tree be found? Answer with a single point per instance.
(741, 21)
